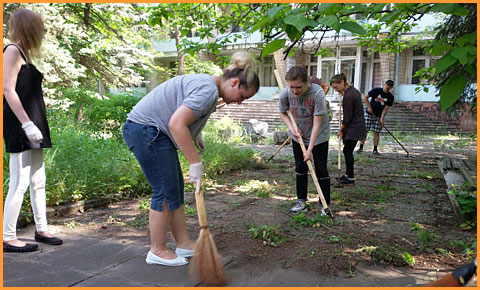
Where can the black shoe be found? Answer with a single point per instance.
(360, 150)
(345, 180)
(24, 249)
(50, 241)
(375, 152)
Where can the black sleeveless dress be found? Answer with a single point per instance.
(29, 90)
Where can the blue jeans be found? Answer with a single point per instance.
(158, 158)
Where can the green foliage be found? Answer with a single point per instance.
(302, 220)
(87, 42)
(383, 254)
(426, 237)
(408, 258)
(104, 116)
(466, 200)
(141, 220)
(271, 235)
(189, 211)
(257, 187)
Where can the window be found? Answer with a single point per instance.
(313, 65)
(417, 65)
(265, 72)
(420, 60)
(348, 51)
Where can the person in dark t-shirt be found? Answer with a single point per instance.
(381, 99)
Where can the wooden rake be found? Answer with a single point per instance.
(312, 171)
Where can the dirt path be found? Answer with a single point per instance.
(373, 223)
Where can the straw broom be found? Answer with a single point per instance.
(205, 263)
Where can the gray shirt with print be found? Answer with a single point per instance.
(196, 91)
(303, 108)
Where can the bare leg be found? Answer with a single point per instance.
(158, 223)
(376, 139)
(179, 229)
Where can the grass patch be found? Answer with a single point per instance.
(257, 187)
(271, 235)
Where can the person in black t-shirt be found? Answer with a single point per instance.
(380, 101)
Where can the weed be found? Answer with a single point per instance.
(303, 221)
(257, 187)
(468, 247)
(114, 220)
(423, 174)
(189, 211)
(426, 238)
(408, 258)
(271, 235)
(70, 224)
(333, 239)
(312, 253)
(141, 220)
(351, 271)
(383, 254)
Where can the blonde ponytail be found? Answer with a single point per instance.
(242, 66)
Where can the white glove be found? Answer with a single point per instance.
(200, 144)
(33, 134)
(195, 172)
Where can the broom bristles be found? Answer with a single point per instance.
(205, 264)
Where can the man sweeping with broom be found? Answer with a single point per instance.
(167, 119)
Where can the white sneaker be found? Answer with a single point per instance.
(323, 212)
(154, 259)
(184, 252)
(299, 207)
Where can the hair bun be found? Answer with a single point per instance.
(242, 60)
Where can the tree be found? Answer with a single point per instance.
(455, 74)
(290, 26)
(90, 42)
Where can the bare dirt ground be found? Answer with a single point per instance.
(373, 222)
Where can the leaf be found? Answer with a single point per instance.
(352, 27)
(451, 91)
(260, 24)
(292, 32)
(391, 16)
(273, 12)
(326, 7)
(439, 49)
(449, 8)
(297, 20)
(331, 21)
(273, 46)
(461, 53)
(444, 63)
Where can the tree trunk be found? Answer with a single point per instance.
(181, 61)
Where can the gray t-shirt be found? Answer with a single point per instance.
(196, 91)
(303, 108)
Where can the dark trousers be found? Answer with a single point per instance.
(348, 153)
(320, 157)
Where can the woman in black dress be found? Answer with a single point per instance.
(25, 129)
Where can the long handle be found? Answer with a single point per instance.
(309, 163)
(339, 162)
(201, 211)
(281, 146)
(392, 135)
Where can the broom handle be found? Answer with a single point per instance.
(339, 164)
(309, 163)
(201, 211)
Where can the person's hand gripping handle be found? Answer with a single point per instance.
(195, 172)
